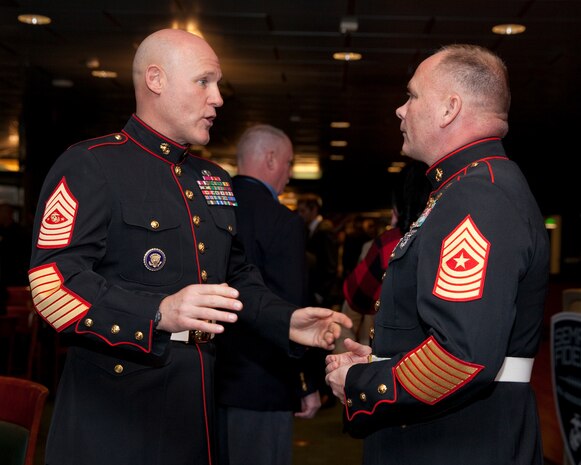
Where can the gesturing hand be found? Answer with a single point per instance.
(317, 327)
(195, 307)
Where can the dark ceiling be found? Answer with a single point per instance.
(277, 63)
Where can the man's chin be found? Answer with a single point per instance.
(200, 138)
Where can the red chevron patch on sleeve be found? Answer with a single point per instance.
(58, 220)
(463, 261)
(53, 301)
(430, 373)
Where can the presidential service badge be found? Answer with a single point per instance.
(154, 259)
(566, 374)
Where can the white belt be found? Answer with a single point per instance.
(183, 336)
(515, 370)
(192, 337)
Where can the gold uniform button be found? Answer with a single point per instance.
(377, 305)
(383, 275)
(475, 164)
(138, 336)
(118, 369)
(165, 148)
(154, 224)
(230, 228)
(439, 174)
(392, 255)
(371, 333)
(88, 322)
(115, 329)
(204, 275)
(177, 170)
(382, 388)
(189, 194)
(118, 137)
(196, 219)
(201, 247)
(349, 403)
(363, 397)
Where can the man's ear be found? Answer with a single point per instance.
(270, 159)
(154, 78)
(452, 107)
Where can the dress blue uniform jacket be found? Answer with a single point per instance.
(464, 289)
(123, 222)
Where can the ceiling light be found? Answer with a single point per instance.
(101, 73)
(62, 83)
(35, 20)
(348, 24)
(92, 63)
(340, 124)
(347, 56)
(190, 26)
(336, 157)
(338, 143)
(508, 29)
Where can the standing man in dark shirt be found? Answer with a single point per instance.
(258, 385)
(460, 313)
(322, 252)
(135, 256)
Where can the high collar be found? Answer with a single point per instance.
(154, 142)
(452, 164)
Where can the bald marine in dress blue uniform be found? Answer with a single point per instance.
(135, 240)
(458, 323)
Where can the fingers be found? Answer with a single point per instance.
(358, 349)
(195, 306)
(342, 320)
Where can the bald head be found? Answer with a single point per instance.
(176, 75)
(265, 152)
(480, 73)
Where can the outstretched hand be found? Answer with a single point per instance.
(317, 327)
(358, 353)
(338, 365)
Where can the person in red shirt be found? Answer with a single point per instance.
(362, 286)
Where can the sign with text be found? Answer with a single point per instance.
(566, 372)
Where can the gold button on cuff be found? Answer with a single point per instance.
(115, 329)
(382, 388)
(204, 275)
(154, 224)
(196, 219)
(88, 322)
(201, 247)
(118, 137)
(230, 228)
(363, 397)
(118, 369)
(377, 305)
(392, 255)
(349, 403)
(138, 336)
(371, 333)
(189, 194)
(177, 170)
